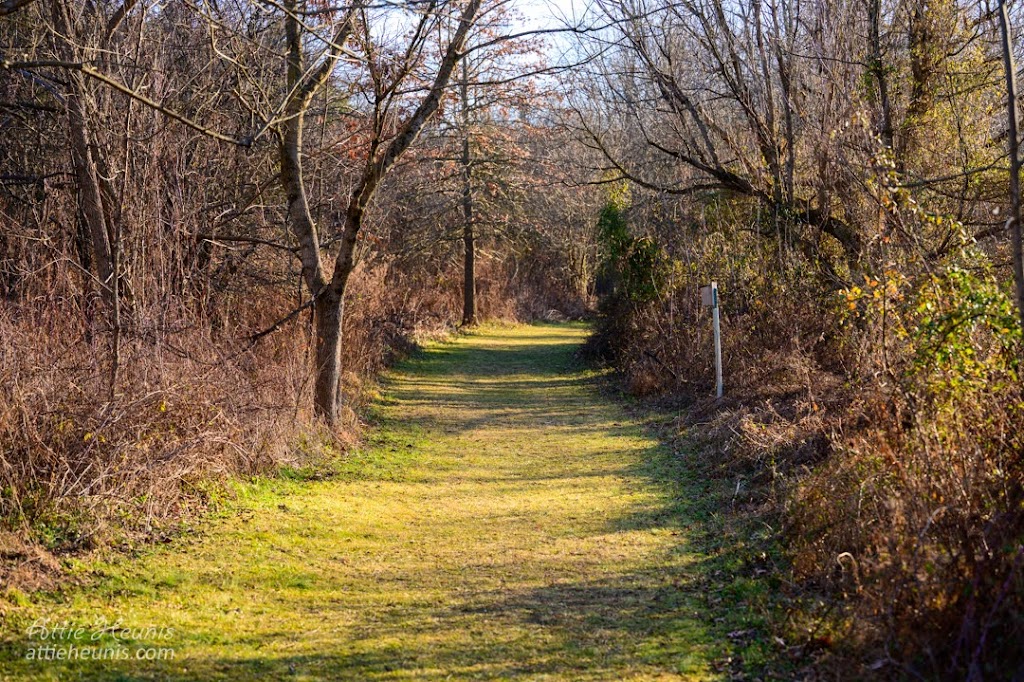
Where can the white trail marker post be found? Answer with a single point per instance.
(709, 297)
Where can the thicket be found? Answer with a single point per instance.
(841, 172)
(158, 330)
(217, 222)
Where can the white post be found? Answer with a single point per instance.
(718, 339)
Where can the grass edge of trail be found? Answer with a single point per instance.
(388, 454)
(746, 560)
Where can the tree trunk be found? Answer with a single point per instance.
(1011, 105)
(90, 195)
(329, 313)
(300, 220)
(468, 242)
(469, 271)
(87, 176)
(469, 280)
(329, 310)
(877, 70)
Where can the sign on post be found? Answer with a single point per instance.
(709, 298)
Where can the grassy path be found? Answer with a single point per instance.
(506, 521)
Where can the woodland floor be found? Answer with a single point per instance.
(507, 519)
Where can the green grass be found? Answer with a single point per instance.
(505, 520)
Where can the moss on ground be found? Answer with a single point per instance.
(506, 520)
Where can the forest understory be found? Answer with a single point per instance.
(221, 222)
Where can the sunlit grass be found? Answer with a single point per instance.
(504, 520)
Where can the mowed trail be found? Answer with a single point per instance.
(506, 521)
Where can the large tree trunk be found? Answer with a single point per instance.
(328, 306)
(329, 311)
(329, 314)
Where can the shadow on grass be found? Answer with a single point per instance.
(694, 602)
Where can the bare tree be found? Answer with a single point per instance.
(396, 81)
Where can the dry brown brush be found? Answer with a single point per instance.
(875, 423)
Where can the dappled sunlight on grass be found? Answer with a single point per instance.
(505, 520)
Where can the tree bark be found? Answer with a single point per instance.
(329, 310)
(329, 313)
(469, 278)
(90, 197)
(300, 220)
(877, 70)
(469, 270)
(1011, 107)
(329, 300)
(87, 176)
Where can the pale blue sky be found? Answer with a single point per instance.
(549, 13)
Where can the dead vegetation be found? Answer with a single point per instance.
(895, 482)
(196, 402)
(215, 232)
(840, 170)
